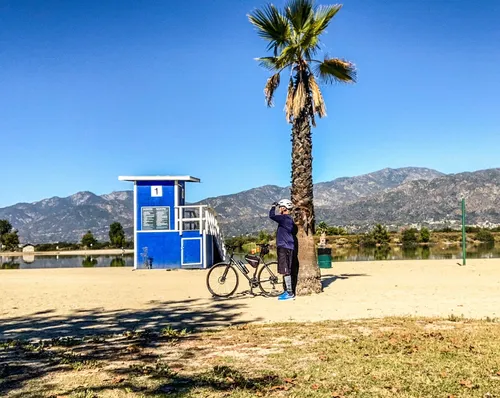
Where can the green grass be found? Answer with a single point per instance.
(394, 357)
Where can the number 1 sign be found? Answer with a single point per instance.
(156, 190)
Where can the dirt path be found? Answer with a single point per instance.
(46, 303)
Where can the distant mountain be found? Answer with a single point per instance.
(246, 212)
(396, 197)
(433, 202)
(67, 219)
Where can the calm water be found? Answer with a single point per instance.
(415, 253)
(339, 254)
(30, 261)
(411, 253)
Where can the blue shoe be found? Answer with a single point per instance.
(282, 295)
(286, 296)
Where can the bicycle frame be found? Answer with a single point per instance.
(242, 270)
(253, 279)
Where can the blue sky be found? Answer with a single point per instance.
(90, 90)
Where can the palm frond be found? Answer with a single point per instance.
(269, 63)
(289, 101)
(300, 13)
(271, 25)
(310, 45)
(323, 16)
(310, 39)
(288, 56)
(271, 85)
(319, 106)
(336, 70)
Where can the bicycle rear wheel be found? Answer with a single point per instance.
(270, 281)
(222, 280)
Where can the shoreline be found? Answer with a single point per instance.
(69, 253)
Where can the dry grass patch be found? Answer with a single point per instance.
(394, 357)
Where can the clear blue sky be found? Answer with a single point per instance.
(90, 90)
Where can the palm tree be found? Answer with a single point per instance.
(293, 36)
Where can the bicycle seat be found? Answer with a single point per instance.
(263, 244)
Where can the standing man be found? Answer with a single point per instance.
(284, 243)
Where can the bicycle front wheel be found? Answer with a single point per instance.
(222, 280)
(270, 281)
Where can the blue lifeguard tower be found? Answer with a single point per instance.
(169, 234)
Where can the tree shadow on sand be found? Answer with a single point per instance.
(86, 337)
(327, 280)
(191, 314)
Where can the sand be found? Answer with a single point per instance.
(46, 303)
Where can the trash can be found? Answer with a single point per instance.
(325, 257)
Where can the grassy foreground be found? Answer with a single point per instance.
(394, 357)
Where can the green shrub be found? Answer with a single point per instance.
(425, 235)
(377, 236)
(485, 236)
(409, 236)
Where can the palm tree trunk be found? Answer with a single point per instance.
(309, 276)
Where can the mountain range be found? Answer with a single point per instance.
(394, 197)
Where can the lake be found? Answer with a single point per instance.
(338, 254)
(31, 262)
(430, 252)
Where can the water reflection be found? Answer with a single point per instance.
(32, 262)
(425, 252)
(9, 265)
(415, 252)
(117, 262)
(89, 262)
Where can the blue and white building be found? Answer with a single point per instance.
(169, 234)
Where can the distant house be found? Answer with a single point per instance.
(28, 248)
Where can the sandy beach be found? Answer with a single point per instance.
(45, 303)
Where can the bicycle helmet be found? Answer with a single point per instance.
(286, 203)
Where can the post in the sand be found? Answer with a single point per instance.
(464, 253)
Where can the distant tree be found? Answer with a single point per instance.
(321, 227)
(367, 240)
(447, 229)
(485, 236)
(116, 234)
(88, 239)
(425, 235)
(377, 236)
(409, 236)
(380, 235)
(336, 231)
(324, 227)
(10, 241)
(5, 227)
(264, 237)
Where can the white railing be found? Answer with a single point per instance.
(200, 218)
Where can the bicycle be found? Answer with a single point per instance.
(223, 279)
